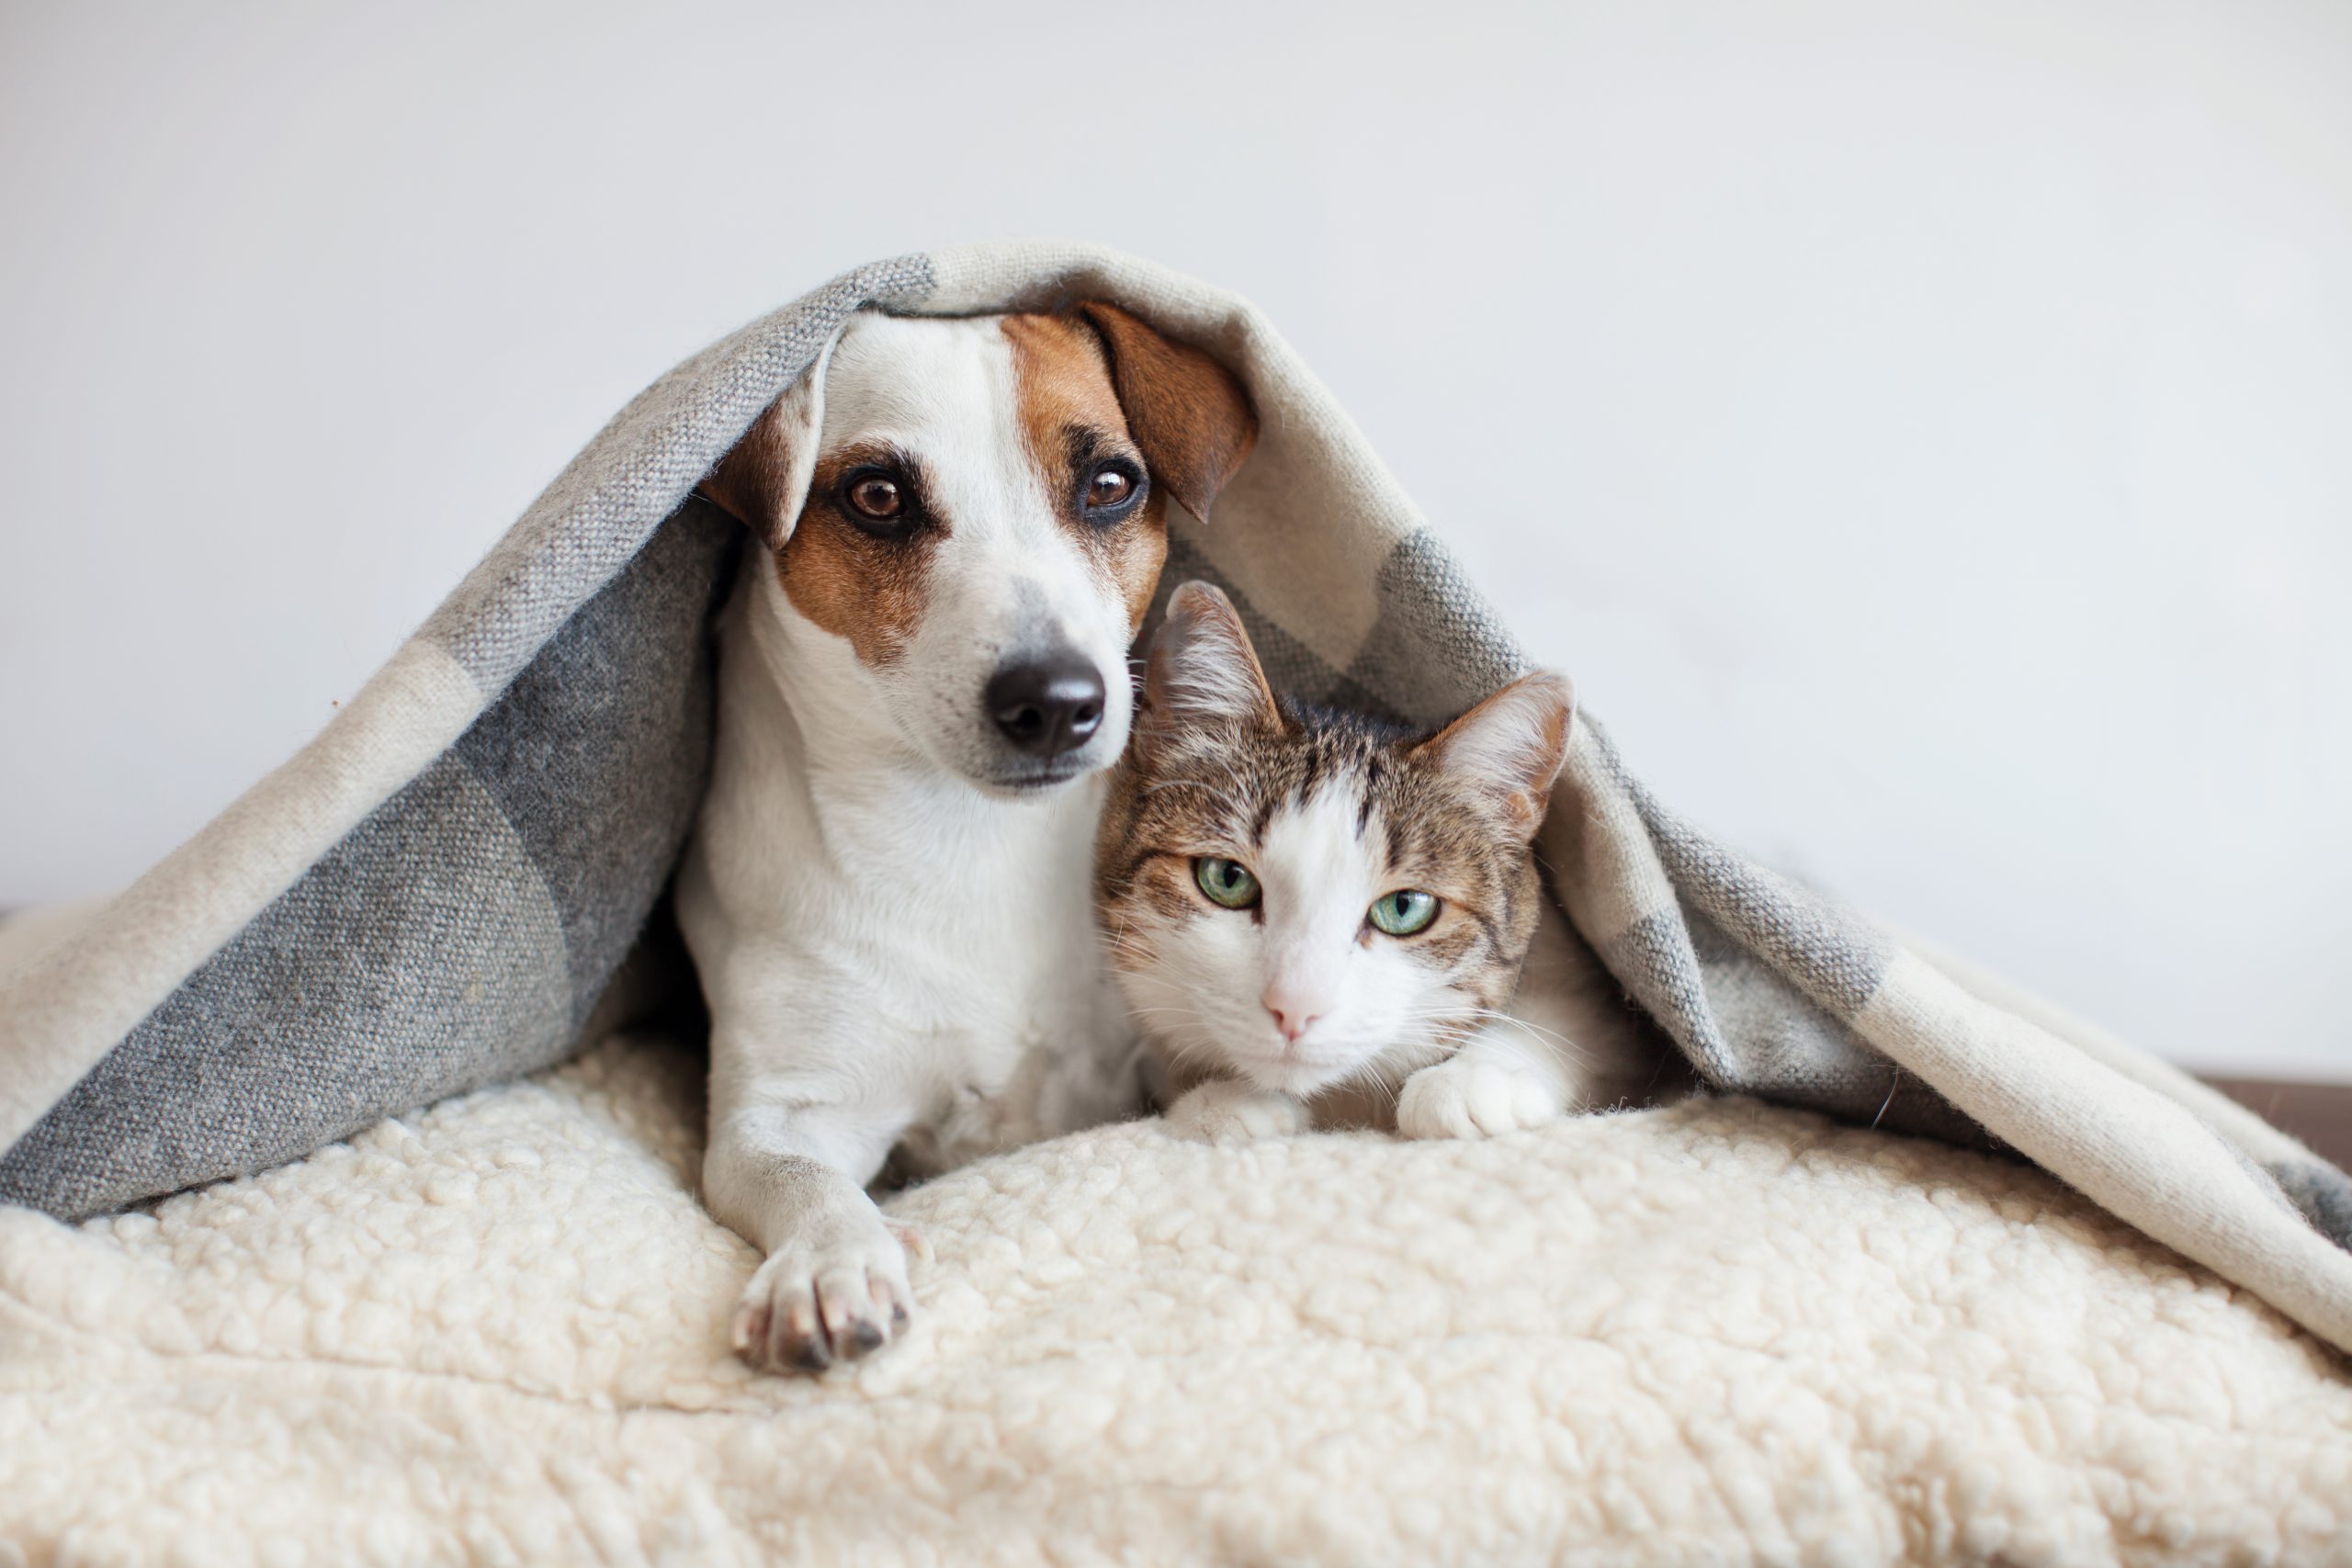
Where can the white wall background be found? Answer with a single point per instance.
(1924, 430)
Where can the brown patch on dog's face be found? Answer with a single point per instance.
(1191, 415)
(857, 576)
(1078, 440)
(753, 474)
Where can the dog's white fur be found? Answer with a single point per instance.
(898, 948)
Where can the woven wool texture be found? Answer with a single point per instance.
(434, 895)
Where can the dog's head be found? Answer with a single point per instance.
(976, 510)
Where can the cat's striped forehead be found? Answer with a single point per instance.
(1222, 789)
(1227, 785)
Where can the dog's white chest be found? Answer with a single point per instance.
(998, 992)
(899, 951)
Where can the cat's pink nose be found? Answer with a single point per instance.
(1292, 1014)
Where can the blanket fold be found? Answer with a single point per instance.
(434, 894)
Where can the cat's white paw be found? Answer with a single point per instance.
(1224, 1112)
(836, 1296)
(1468, 1098)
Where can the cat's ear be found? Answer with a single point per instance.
(1202, 670)
(1512, 745)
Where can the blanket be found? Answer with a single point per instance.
(438, 892)
(1718, 1334)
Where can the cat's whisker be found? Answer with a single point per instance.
(1550, 1036)
(1498, 1013)
(1374, 1078)
(1490, 1015)
(1128, 946)
(1183, 1052)
(1458, 1013)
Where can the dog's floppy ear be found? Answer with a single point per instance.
(1189, 414)
(1202, 670)
(1512, 745)
(764, 480)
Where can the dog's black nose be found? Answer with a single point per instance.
(1048, 705)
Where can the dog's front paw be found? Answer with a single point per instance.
(1223, 1112)
(837, 1296)
(1465, 1098)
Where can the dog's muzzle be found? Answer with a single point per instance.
(1047, 705)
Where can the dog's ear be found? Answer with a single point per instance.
(1202, 670)
(1189, 414)
(764, 480)
(1512, 745)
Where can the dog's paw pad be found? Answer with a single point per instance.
(814, 1305)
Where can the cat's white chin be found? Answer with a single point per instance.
(1300, 1078)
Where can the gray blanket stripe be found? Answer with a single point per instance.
(607, 502)
(460, 934)
(1836, 956)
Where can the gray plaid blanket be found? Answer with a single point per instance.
(439, 890)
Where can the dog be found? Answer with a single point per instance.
(922, 671)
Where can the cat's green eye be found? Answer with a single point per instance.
(1403, 912)
(1226, 882)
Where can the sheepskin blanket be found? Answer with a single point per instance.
(437, 893)
(1718, 1334)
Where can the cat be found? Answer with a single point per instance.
(1318, 919)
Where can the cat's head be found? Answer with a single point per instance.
(1302, 898)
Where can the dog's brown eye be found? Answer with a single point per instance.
(1113, 488)
(878, 498)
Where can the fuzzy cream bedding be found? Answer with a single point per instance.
(1713, 1334)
